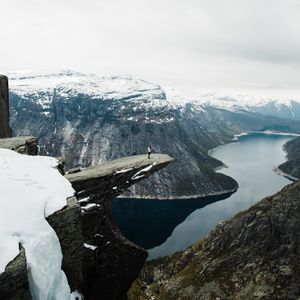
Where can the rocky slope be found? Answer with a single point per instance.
(255, 255)
(292, 166)
(89, 120)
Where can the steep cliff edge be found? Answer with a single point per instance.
(110, 262)
(255, 255)
(4, 108)
(292, 167)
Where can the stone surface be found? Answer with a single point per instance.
(4, 108)
(22, 144)
(68, 227)
(110, 261)
(108, 178)
(14, 284)
(292, 167)
(255, 255)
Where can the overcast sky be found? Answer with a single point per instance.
(193, 44)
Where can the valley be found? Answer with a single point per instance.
(89, 120)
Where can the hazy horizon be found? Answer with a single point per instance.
(190, 45)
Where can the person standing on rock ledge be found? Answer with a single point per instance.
(149, 149)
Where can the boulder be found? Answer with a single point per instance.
(4, 108)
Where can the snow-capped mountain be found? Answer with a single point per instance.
(40, 87)
(276, 103)
(90, 119)
(68, 84)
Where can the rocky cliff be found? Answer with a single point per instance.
(110, 261)
(22, 144)
(98, 260)
(4, 108)
(255, 255)
(14, 283)
(89, 120)
(292, 166)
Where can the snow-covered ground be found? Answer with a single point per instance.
(32, 189)
(69, 84)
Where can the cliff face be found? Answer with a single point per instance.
(255, 255)
(292, 166)
(98, 261)
(4, 108)
(14, 283)
(110, 262)
(22, 145)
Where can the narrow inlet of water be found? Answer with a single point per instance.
(164, 227)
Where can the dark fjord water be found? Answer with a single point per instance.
(164, 227)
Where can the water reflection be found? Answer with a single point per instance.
(149, 223)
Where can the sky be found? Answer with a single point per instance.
(187, 44)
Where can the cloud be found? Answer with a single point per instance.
(194, 44)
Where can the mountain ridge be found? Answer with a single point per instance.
(270, 103)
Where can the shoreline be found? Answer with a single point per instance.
(235, 139)
(282, 173)
(286, 175)
(192, 197)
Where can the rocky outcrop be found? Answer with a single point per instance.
(110, 262)
(255, 255)
(14, 283)
(22, 144)
(4, 108)
(107, 180)
(291, 167)
(68, 227)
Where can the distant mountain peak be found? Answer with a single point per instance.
(69, 84)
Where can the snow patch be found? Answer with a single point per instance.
(137, 177)
(90, 206)
(123, 171)
(141, 174)
(84, 200)
(76, 296)
(91, 247)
